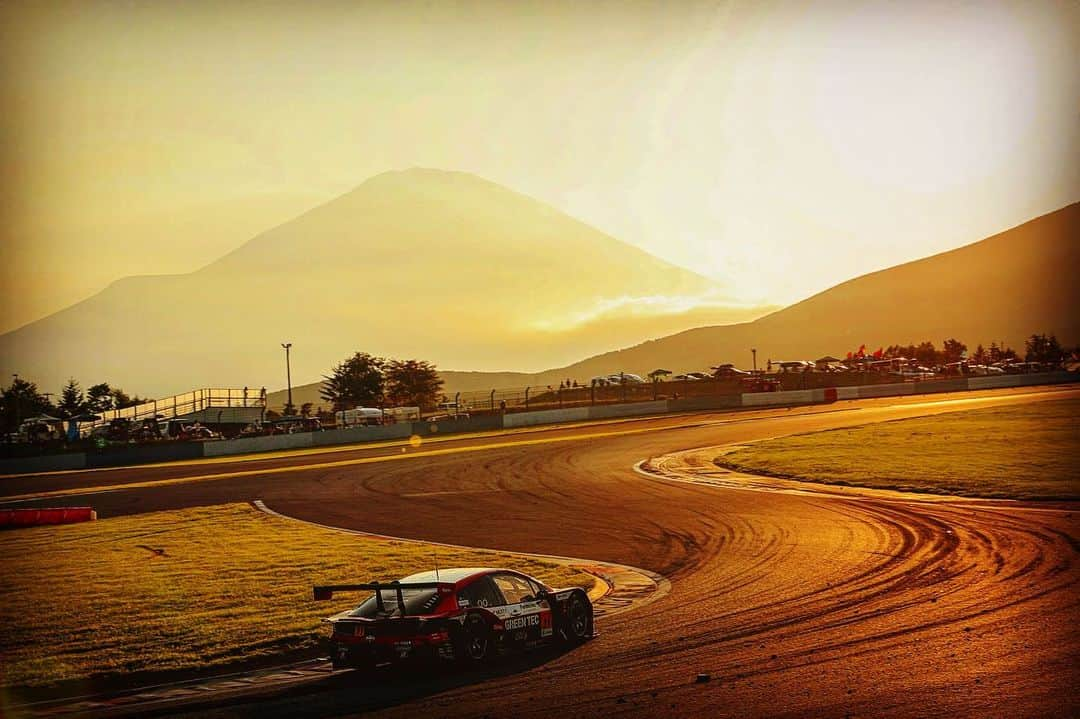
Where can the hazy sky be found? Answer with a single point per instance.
(777, 147)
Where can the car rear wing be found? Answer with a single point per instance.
(325, 592)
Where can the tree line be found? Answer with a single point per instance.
(1041, 348)
(22, 400)
(364, 380)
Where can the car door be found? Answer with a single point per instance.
(525, 618)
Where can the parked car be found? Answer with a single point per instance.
(727, 371)
(470, 615)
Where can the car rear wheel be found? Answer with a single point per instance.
(578, 619)
(476, 641)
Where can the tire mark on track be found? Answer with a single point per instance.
(943, 567)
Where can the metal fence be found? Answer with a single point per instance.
(188, 403)
(539, 397)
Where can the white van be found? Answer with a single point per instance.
(359, 416)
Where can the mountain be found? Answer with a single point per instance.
(1003, 288)
(436, 265)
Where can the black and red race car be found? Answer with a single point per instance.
(469, 614)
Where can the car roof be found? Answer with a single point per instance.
(452, 575)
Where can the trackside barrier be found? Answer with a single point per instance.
(1023, 380)
(696, 404)
(609, 411)
(246, 445)
(10, 518)
(44, 463)
(886, 390)
(1009, 380)
(145, 454)
(851, 392)
(547, 416)
(767, 399)
(353, 435)
(457, 426)
(830, 394)
(942, 385)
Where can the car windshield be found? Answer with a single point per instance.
(417, 601)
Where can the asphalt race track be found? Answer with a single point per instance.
(795, 604)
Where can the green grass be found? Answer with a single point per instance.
(84, 601)
(1021, 452)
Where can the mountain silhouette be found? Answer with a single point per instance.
(428, 264)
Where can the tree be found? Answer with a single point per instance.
(305, 409)
(981, 356)
(356, 382)
(412, 383)
(953, 350)
(99, 398)
(20, 401)
(72, 400)
(925, 354)
(1041, 348)
(121, 398)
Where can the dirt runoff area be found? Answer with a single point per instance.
(175, 592)
(1018, 452)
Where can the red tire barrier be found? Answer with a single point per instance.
(10, 518)
(830, 394)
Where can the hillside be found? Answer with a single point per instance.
(1005, 287)
(443, 266)
(1002, 288)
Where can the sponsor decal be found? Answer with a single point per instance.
(545, 624)
(462, 603)
(532, 620)
(563, 596)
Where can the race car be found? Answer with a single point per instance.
(466, 614)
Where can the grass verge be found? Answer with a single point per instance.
(1020, 452)
(91, 602)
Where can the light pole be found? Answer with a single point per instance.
(288, 377)
(15, 392)
(754, 351)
